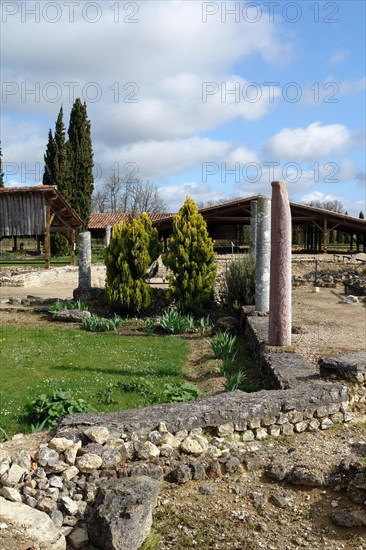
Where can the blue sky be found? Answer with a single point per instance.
(209, 99)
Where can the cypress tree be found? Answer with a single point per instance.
(1, 168)
(57, 172)
(49, 165)
(62, 172)
(191, 258)
(361, 215)
(81, 161)
(133, 249)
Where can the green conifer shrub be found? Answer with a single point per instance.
(132, 252)
(191, 258)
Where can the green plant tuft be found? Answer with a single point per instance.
(94, 323)
(177, 392)
(222, 344)
(48, 408)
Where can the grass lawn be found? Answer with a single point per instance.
(36, 360)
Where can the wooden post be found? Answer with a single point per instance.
(47, 238)
(326, 234)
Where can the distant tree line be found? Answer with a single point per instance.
(130, 195)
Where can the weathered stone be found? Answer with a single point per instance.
(97, 434)
(60, 444)
(23, 459)
(287, 429)
(302, 476)
(71, 315)
(169, 439)
(57, 518)
(10, 493)
(78, 538)
(274, 431)
(14, 475)
(261, 433)
(111, 458)
(32, 524)
(181, 474)
(206, 490)
(314, 424)
(70, 505)
(301, 427)
(213, 470)
(254, 423)
(55, 481)
(122, 515)
(70, 473)
(278, 500)
(248, 435)
(145, 450)
(46, 504)
(278, 470)
(326, 423)
(194, 445)
(225, 429)
(232, 465)
(347, 517)
(89, 462)
(166, 451)
(198, 471)
(279, 331)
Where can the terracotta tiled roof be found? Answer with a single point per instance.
(101, 220)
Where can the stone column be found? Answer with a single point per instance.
(85, 260)
(263, 254)
(280, 289)
(253, 228)
(107, 237)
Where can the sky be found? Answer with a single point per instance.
(208, 99)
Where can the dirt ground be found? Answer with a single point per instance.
(228, 515)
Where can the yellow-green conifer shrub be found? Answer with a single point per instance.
(191, 258)
(132, 252)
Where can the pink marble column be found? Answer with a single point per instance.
(280, 314)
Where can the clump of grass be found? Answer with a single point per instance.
(222, 344)
(174, 322)
(62, 305)
(94, 323)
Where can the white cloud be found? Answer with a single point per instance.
(310, 143)
(175, 195)
(338, 57)
(157, 159)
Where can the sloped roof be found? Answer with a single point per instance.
(100, 220)
(237, 211)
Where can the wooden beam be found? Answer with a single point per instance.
(326, 234)
(47, 237)
(72, 246)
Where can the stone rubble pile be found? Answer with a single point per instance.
(330, 278)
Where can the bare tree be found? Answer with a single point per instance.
(99, 202)
(129, 195)
(332, 205)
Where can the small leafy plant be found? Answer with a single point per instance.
(48, 408)
(178, 392)
(94, 323)
(222, 344)
(228, 365)
(149, 325)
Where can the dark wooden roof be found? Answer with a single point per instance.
(238, 212)
(23, 211)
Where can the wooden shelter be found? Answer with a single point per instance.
(37, 211)
(312, 225)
